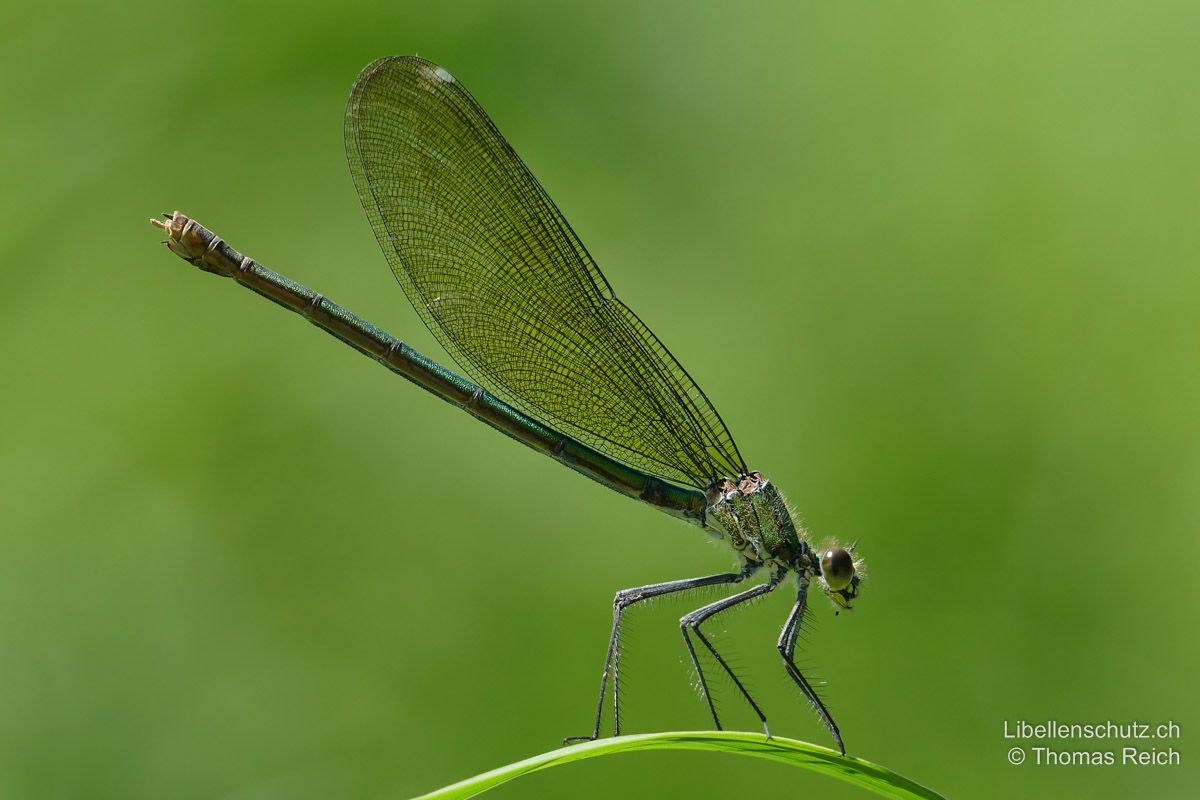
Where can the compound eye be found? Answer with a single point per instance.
(837, 568)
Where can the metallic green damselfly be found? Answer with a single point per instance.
(559, 363)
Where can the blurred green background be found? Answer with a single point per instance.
(934, 263)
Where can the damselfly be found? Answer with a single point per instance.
(501, 279)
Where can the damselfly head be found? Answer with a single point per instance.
(841, 574)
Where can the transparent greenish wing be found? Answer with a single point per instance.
(498, 275)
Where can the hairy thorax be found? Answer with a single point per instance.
(757, 522)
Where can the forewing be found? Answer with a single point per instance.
(499, 276)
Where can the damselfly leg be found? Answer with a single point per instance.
(787, 649)
(623, 600)
(690, 624)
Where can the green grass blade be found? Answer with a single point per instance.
(862, 773)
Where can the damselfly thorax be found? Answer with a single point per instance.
(759, 523)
